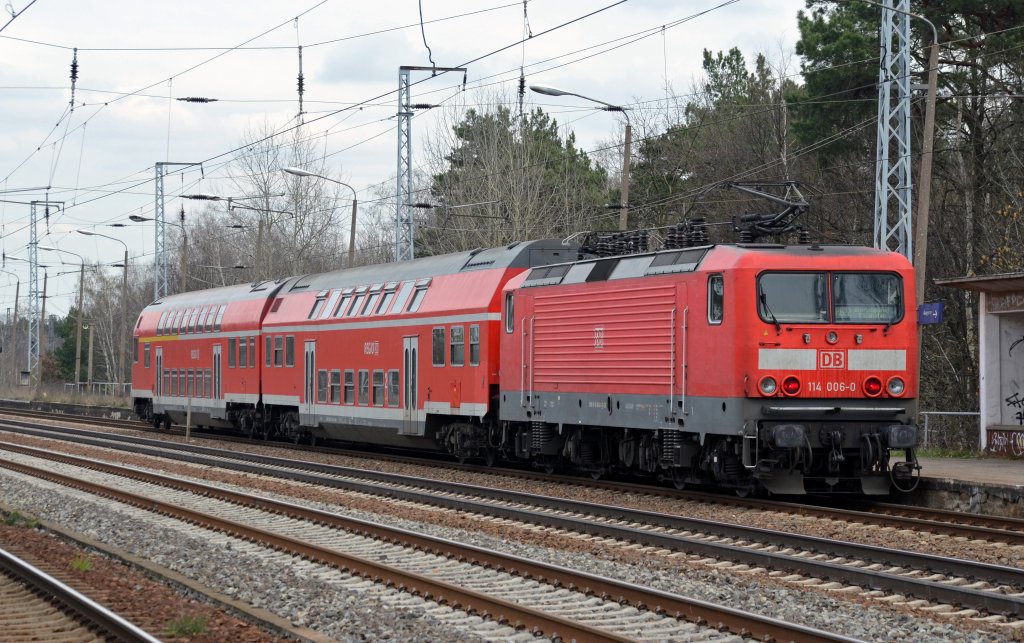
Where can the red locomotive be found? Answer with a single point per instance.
(786, 368)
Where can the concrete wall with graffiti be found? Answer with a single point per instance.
(1002, 373)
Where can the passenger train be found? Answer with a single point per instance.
(786, 369)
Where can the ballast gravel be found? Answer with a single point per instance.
(351, 611)
(288, 592)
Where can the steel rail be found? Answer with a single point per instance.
(939, 521)
(501, 610)
(84, 608)
(537, 510)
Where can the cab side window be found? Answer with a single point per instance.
(716, 299)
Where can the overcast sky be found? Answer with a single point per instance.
(133, 56)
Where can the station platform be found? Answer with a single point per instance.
(993, 486)
(990, 471)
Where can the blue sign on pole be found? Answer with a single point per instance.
(930, 313)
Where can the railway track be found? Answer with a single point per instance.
(936, 521)
(542, 598)
(990, 589)
(34, 606)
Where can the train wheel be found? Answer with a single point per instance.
(167, 424)
(743, 492)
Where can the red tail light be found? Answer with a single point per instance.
(791, 386)
(872, 386)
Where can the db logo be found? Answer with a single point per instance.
(598, 338)
(831, 359)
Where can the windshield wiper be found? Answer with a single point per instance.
(771, 315)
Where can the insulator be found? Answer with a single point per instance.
(805, 237)
(746, 236)
(74, 66)
(196, 99)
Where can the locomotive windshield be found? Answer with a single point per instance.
(837, 297)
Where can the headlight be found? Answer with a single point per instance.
(767, 385)
(895, 386)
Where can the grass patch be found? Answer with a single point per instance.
(17, 519)
(948, 453)
(186, 626)
(81, 563)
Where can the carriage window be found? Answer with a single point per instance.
(370, 303)
(167, 381)
(160, 324)
(458, 346)
(335, 387)
(403, 296)
(318, 306)
(289, 350)
(252, 352)
(135, 350)
(393, 388)
(438, 346)
(364, 387)
(231, 352)
(145, 356)
(203, 314)
(220, 318)
(241, 352)
(350, 387)
(267, 351)
(417, 299)
(716, 299)
(378, 388)
(356, 304)
(278, 350)
(208, 388)
(341, 305)
(321, 386)
(509, 313)
(210, 316)
(329, 308)
(474, 345)
(385, 302)
(174, 382)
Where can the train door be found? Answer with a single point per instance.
(410, 373)
(158, 388)
(309, 401)
(216, 372)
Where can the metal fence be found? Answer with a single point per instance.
(111, 389)
(951, 430)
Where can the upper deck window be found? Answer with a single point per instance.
(220, 318)
(318, 305)
(838, 297)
